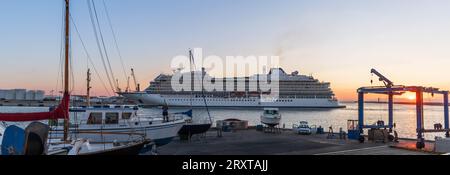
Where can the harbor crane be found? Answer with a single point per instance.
(392, 90)
(135, 81)
(118, 88)
(388, 83)
(128, 85)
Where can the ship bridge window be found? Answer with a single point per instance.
(112, 118)
(126, 115)
(95, 118)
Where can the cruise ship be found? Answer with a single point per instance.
(295, 91)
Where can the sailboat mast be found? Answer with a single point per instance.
(67, 50)
(66, 63)
(191, 71)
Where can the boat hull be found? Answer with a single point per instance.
(132, 149)
(146, 99)
(189, 130)
(161, 134)
(270, 121)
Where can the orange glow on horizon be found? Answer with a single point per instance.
(409, 96)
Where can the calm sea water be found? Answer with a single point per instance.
(404, 116)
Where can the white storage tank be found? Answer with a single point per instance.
(3, 94)
(39, 95)
(10, 94)
(20, 94)
(30, 95)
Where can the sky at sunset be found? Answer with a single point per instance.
(335, 41)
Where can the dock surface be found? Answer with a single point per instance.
(252, 142)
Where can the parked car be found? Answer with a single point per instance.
(302, 128)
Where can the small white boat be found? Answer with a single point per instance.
(271, 117)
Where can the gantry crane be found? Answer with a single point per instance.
(392, 90)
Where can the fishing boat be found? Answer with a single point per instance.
(271, 117)
(33, 140)
(122, 120)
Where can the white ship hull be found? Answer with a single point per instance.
(143, 98)
(161, 133)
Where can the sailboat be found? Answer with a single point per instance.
(121, 120)
(191, 128)
(33, 140)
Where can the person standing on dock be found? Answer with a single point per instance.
(165, 113)
(330, 132)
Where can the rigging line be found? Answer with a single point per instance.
(71, 70)
(60, 67)
(72, 73)
(115, 38)
(192, 61)
(204, 100)
(103, 43)
(89, 56)
(59, 77)
(190, 74)
(72, 76)
(98, 45)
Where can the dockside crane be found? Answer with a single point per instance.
(135, 81)
(388, 83)
(128, 85)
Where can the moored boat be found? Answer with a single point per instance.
(191, 127)
(123, 120)
(271, 117)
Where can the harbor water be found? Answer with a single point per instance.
(404, 116)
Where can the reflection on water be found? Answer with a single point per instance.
(404, 116)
